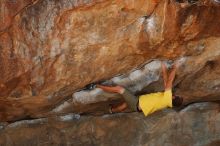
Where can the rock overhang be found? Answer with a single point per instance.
(53, 48)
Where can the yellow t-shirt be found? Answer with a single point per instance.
(150, 103)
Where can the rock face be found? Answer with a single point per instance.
(49, 49)
(196, 125)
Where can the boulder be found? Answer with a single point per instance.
(51, 49)
(197, 124)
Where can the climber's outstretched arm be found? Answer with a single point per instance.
(171, 77)
(164, 71)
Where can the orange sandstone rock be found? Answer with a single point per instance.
(49, 49)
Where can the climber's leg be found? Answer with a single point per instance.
(118, 108)
(130, 99)
(116, 89)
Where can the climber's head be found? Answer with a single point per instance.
(177, 101)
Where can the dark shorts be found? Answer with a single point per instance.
(131, 100)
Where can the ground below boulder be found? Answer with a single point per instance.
(51, 49)
(197, 124)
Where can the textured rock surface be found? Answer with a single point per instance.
(9, 10)
(49, 49)
(197, 125)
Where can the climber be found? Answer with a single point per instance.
(148, 103)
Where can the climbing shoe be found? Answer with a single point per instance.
(192, 1)
(90, 86)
